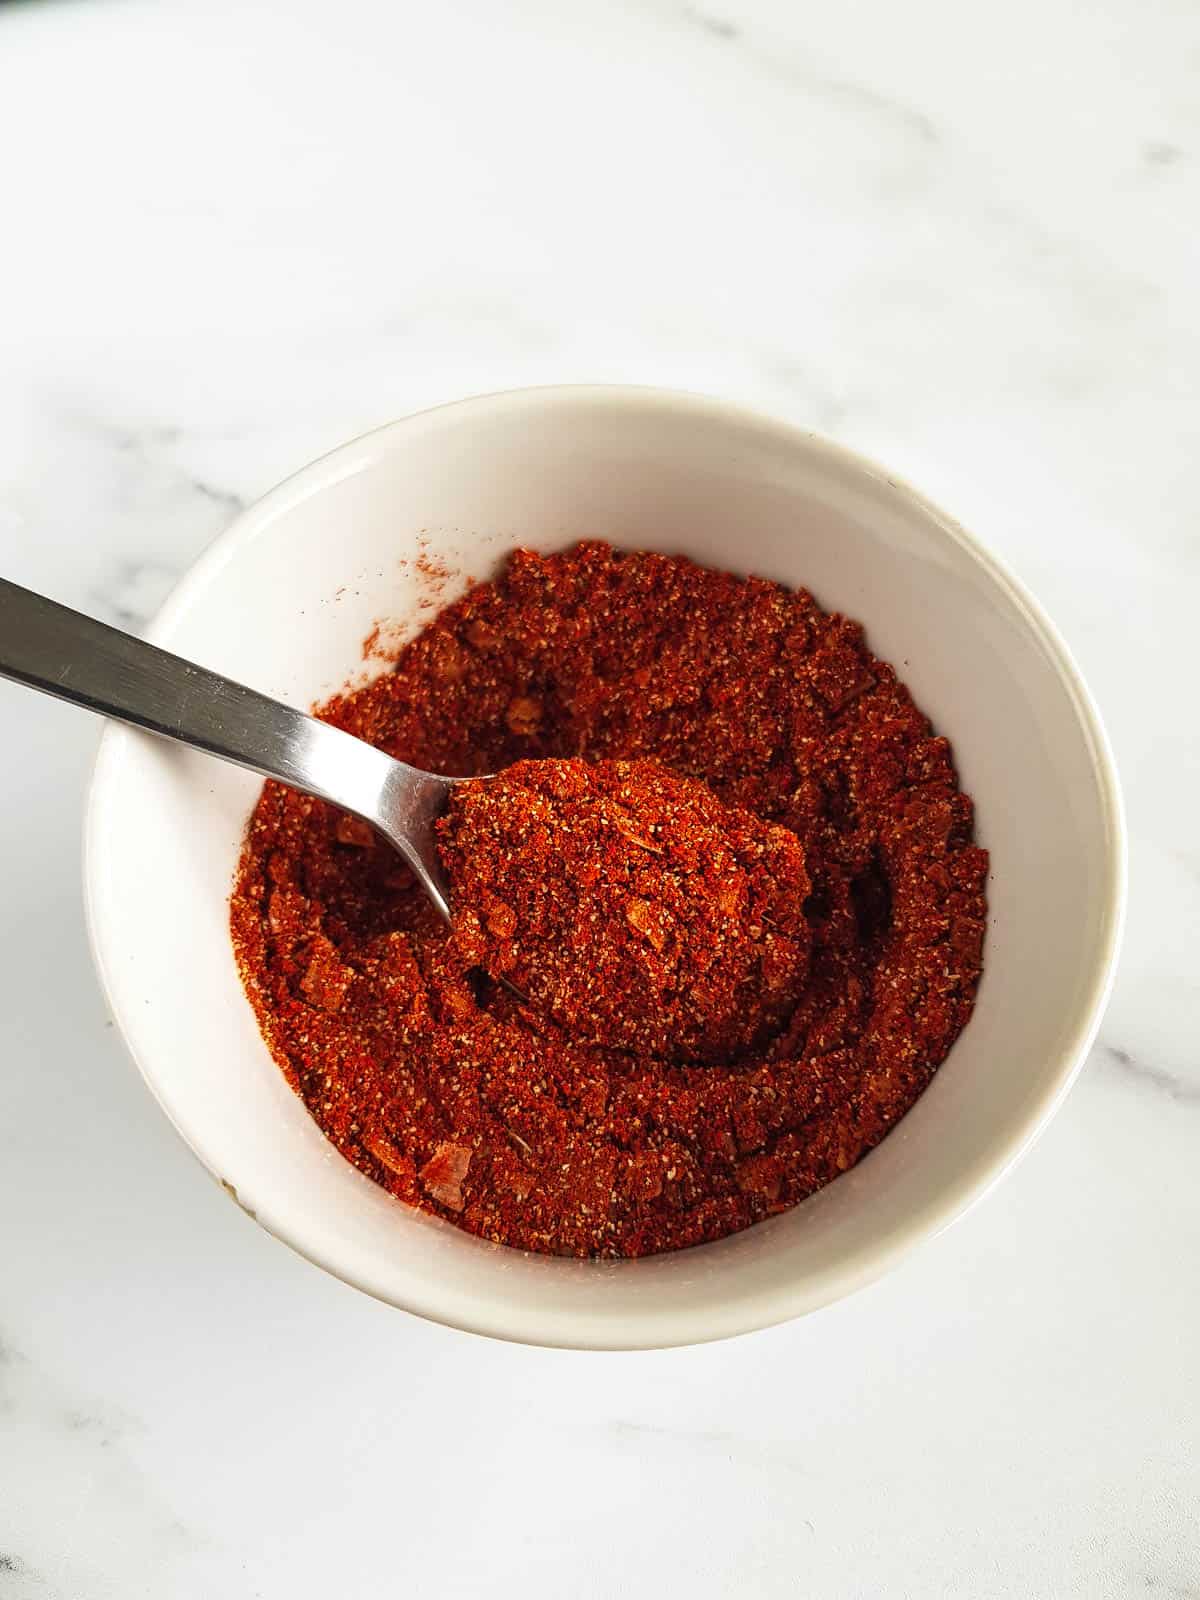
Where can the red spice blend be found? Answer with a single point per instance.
(442, 1086)
(630, 905)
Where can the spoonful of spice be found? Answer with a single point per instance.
(630, 904)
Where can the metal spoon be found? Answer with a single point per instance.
(76, 658)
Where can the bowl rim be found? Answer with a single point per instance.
(787, 1300)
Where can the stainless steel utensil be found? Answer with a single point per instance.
(64, 653)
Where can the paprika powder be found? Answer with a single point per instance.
(679, 1101)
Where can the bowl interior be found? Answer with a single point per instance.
(284, 601)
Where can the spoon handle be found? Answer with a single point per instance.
(64, 653)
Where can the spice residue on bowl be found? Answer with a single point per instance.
(444, 1087)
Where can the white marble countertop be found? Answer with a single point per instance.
(961, 239)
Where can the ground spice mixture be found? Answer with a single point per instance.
(445, 1087)
(631, 905)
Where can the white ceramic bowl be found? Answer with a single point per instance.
(283, 600)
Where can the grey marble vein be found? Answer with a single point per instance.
(785, 64)
(151, 444)
(1158, 1078)
(227, 498)
(721, 27)
(92, 1445)
(133, 591)
(1160, 153)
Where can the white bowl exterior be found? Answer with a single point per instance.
(283, 602)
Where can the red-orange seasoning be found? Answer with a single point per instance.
(447, 1089)
(630, 905)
